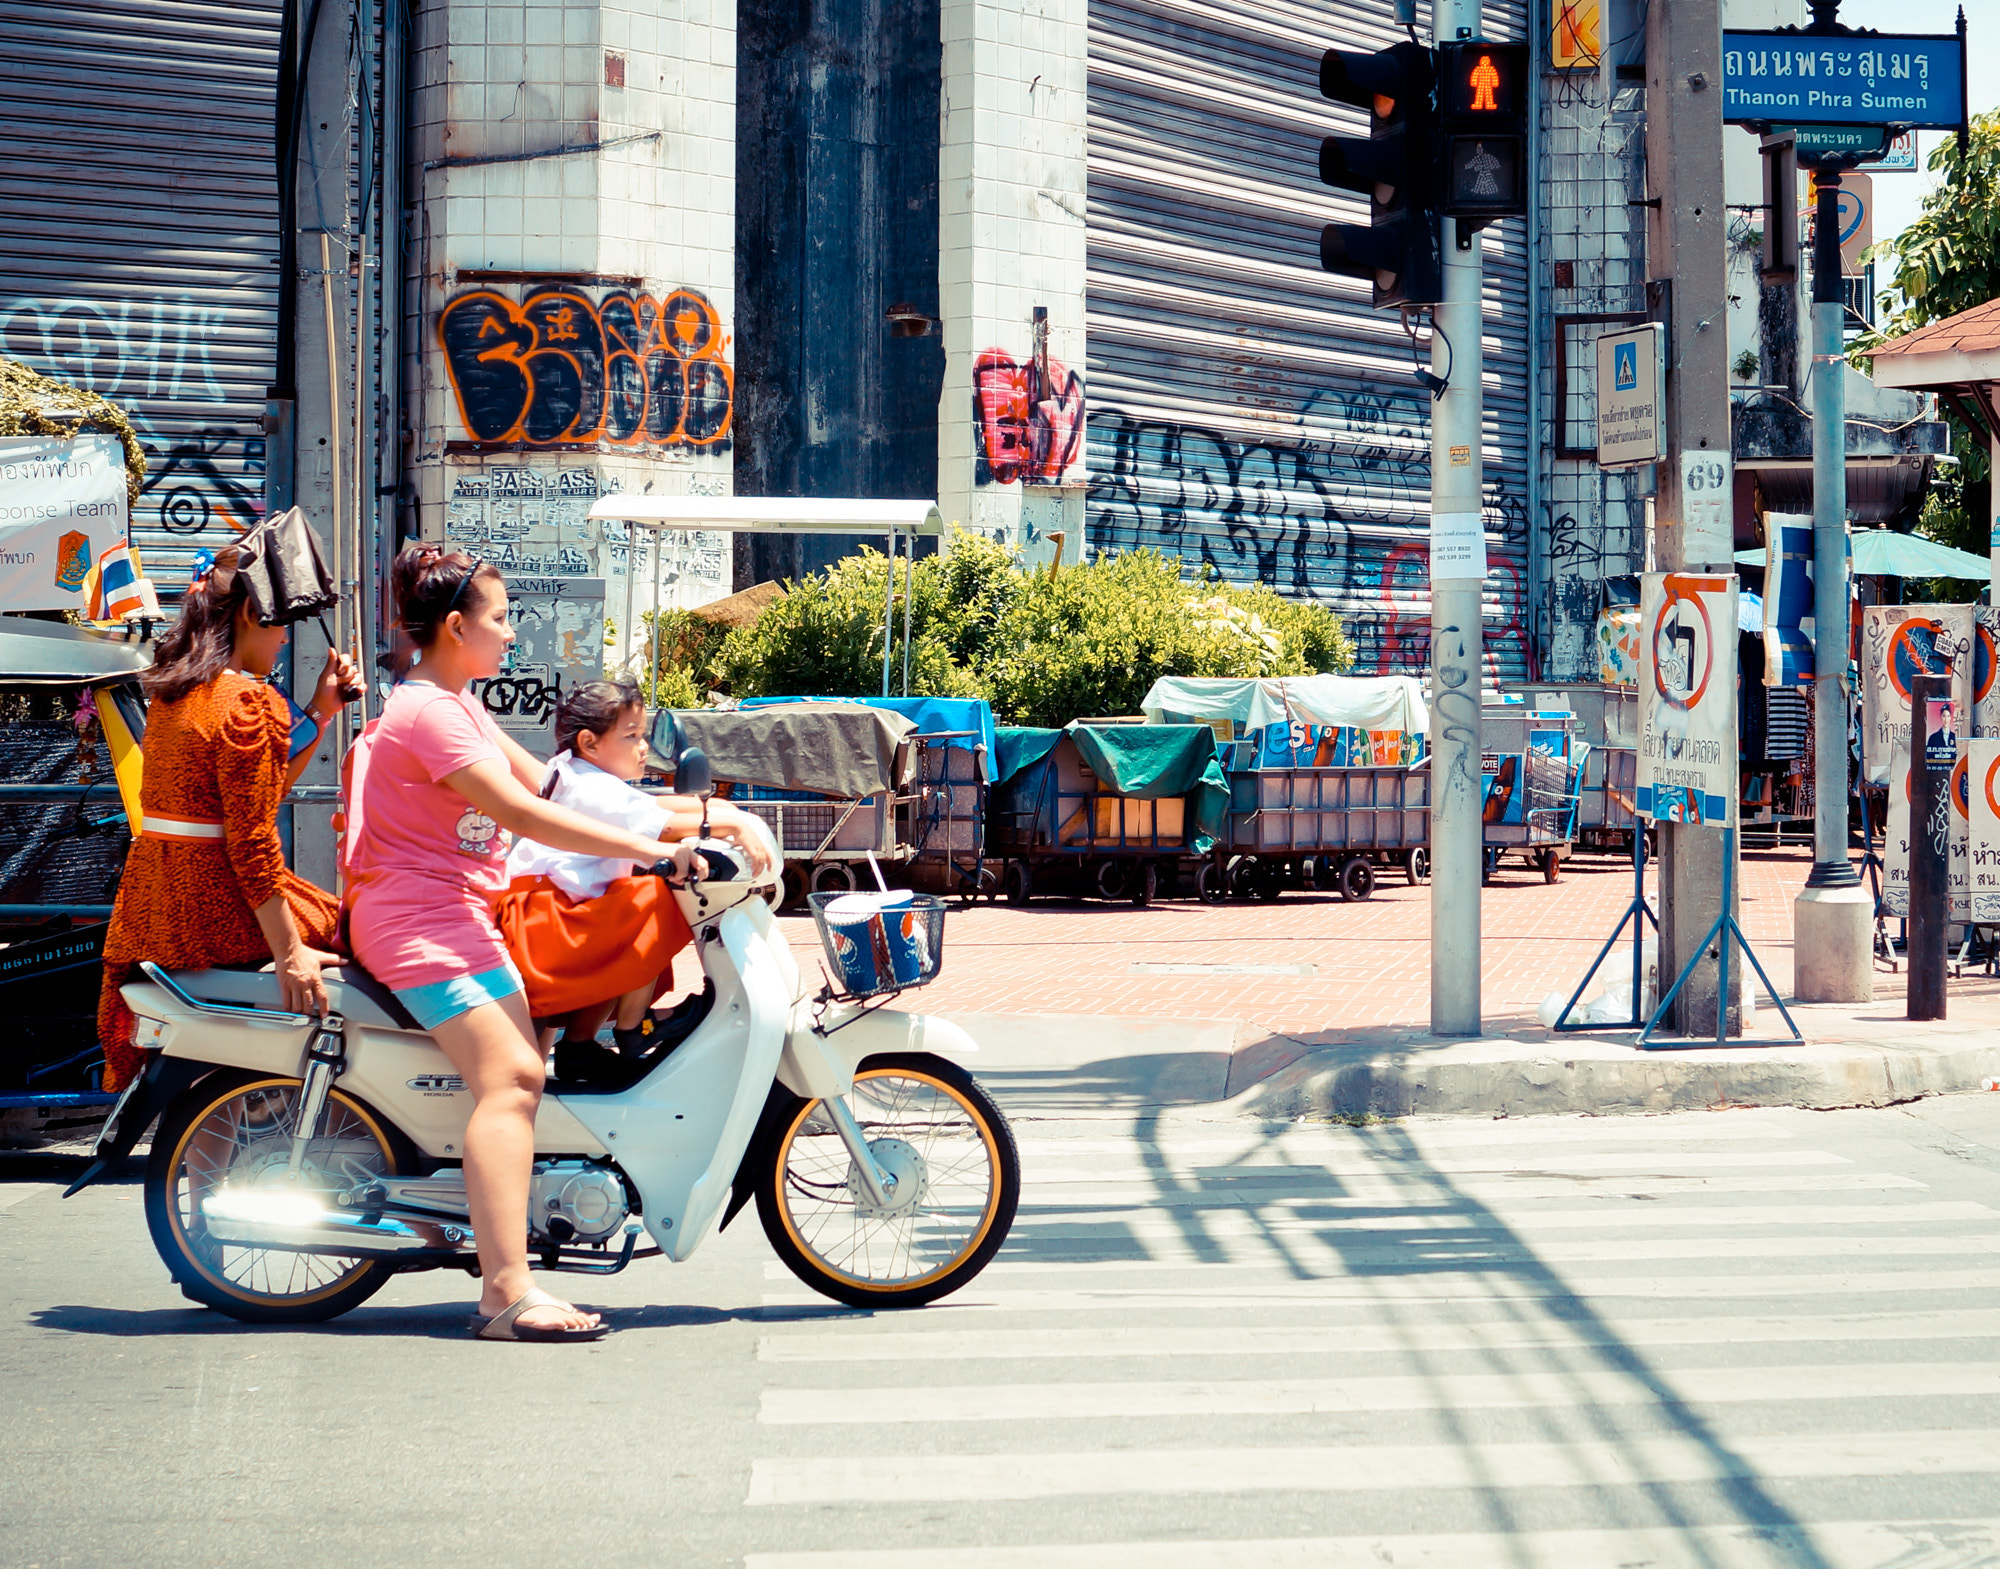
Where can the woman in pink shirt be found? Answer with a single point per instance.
(438, 794)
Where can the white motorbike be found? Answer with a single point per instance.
(300, 1162)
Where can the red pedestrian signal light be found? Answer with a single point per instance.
(1483, 129)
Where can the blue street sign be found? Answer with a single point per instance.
(1794, 78)
(1625, 366)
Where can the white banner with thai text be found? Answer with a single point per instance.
(62, 512)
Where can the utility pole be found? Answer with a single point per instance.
(1458, 571)
(1832, 915)
(1686, 247)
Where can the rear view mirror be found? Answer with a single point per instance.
(692, 775)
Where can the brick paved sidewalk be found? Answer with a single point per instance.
(1367, 965)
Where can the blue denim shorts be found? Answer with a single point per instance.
(445, 1000)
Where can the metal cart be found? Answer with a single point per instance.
(833, 781)
(1055, 826)
(1316, 828)
(1608, 721)
(1531, 786)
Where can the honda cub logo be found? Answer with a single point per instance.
(438, 1084)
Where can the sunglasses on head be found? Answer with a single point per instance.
(471, 572)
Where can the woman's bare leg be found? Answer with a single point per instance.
(493, 1048)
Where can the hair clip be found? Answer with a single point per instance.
(204, 563)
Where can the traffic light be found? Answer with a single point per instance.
(1483, 125)
(1394, 166)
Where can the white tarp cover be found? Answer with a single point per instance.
(1366, 702)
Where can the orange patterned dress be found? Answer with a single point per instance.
(216, 757)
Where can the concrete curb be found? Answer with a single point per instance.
(1066, 1063)
(1504, 1077)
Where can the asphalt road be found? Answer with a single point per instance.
(1714, 1341)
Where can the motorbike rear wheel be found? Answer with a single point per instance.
(959, 1181)
(236, 1128)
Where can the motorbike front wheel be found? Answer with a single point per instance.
(236, 1129)
(958, 1181)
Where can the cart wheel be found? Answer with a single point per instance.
(1108, 878)
(1417, 865)
(833, 877)
(1488, 866)
(1242, 877)
(1310, 870)
(1552, 865)
(1269, 883)
(1210, 885)
(988, 885)
(1018, 883)
(1145, 883)
(794, 885)
(1357, 879)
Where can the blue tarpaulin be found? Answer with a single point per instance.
(931, 715)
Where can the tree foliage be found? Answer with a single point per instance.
(1086, 642)
(1945, 262)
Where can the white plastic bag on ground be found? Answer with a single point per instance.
(1613, 1004)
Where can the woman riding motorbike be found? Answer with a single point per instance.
(432, 802)
(205, 882)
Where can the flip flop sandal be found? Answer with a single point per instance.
(505, 1324)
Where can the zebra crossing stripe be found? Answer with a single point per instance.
(1602, 1462)
(1432, 1392)
(1468, 1284)
(1096, 1199)
(1442, 1133)
(1839, 1545)
(1291, 1175)
(915, 1347)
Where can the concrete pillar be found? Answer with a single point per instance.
(1687, 244)
(1012, 165)
(572, 261)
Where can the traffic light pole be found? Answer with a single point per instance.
(1457, 634)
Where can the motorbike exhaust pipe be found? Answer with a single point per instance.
(296, 1223)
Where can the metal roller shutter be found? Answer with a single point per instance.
(1247, 409)
(139, 238)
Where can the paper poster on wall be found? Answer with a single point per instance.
(1897, 643)
(1458, 547)
(1687, 697)
(63, 524)
(1983, 801)
(1956, 810)
(558, 644)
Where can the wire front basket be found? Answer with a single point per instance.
(879, 943)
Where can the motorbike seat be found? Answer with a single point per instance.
(350, 991)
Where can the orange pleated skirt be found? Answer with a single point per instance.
(574, 953)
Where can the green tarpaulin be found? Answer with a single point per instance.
(1153, 762)
(1016, 747)
(1881, 552)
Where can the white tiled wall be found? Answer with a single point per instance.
(498, 77)
(1011, 195)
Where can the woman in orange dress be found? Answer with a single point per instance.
(205, 882)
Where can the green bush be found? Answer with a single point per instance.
(1084, 644)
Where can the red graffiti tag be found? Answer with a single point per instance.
(559, 370)
(1026, 432)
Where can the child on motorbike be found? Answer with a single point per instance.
(592, 939)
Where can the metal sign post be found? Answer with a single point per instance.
(1933, 754)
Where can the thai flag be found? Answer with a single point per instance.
(118, 591)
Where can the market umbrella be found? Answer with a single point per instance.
(1882, 552)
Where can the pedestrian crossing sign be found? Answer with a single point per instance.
(1625, 366)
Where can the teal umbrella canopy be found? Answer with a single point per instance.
(1881, 552)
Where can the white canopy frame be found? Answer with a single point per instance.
(783, 515)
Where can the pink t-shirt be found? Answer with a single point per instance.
(427, 863)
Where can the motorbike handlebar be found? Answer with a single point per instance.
(725, 865)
